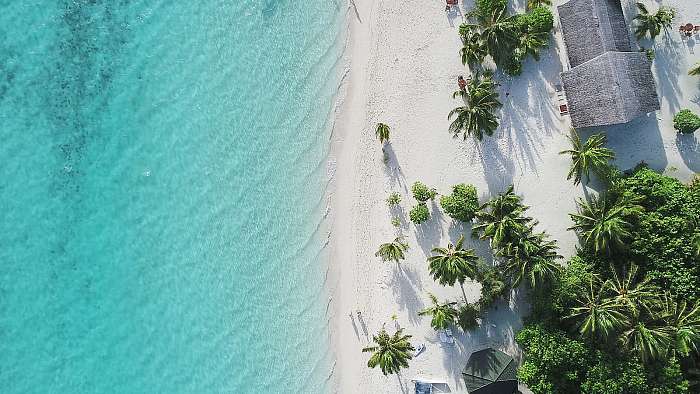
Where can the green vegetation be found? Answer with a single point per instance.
(391, 353)
(393, 199)
(501, 219)
(392, 251)
(604, 324)
(686, 121)
(695, 70)
(649, 24)
(442, 314)
(396, 221)
(453, 264)
(586, 157)
(419, 213)
(467, 315)
(462, 204)
(382, 132)
(531, 4)
(485, 8)
(422, 193)
(477, 117)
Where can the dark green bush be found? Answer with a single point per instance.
(539, 20)
(419, 213)
(467, 315)
(462, 203)
(686, 121)
(493, 284)
(422, 192)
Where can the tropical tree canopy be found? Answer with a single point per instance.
(533, 257)
(477, 117)
(586, 157)
(442, 314)
(392, 251)
(501, 218)
(602, 222)
(382, 132)
(391, 353)
(652, 24)
(695, 70)
(596, 316)
(453, 264)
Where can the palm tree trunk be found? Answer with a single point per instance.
(461, 285)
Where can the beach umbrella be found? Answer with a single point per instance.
(490, 371)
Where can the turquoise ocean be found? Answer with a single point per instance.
(162, 179)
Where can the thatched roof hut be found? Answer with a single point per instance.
(593, 27)
(608, 83)
(613, 88)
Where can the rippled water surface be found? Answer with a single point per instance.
(162, 188)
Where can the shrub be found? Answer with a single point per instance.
(513, 65)
(462, 203)
(467, 315)
(540, 20)
(493, 285)
(553, 363)
(486, 7)
(419, 213)
(422, 193)
(396, 222)
(394, 199)
(686, 121)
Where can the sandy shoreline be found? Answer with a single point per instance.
(403, 64)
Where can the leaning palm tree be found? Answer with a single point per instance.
(652, 24)
(501, 218)
(601, 223)
(695, 70)
(591, 155)
(531, 256)
(500, 34)
(382, 132)
(597, 316)
(391, 353)
(453, 264)
(392, 251)
(442, 314)
(477, 117)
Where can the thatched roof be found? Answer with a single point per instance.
(593, 27)
(613, 88)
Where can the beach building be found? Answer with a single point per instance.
(608, 82)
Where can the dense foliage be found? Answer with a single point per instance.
(686, 121)
(419, 213)
(422, 193)
(393, 199)
(462, 203)
(477, 117)
(487, 7)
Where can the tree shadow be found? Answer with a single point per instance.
(667, 69)
(405, 281)
(689, 149)
(392, 168)
(429, 233)
(498, 168)
(454, 13)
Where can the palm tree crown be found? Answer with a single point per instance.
(391, 353)
(382, 132)
(442, 314)
(501, 218)
(532, 256)
(477, 117)
(602, 223)
(596, 316)
(652, 24)
(592, 155)
(392, 251)
(453, 264)
(695, 70)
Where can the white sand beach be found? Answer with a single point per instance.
(403, 67)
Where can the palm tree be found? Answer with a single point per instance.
(382, 132)
(593, 155)
(597, 316)
(500, 35)
(638, 296)
(696, 244)
(473, 50)
(391, 353)
(684, 321)
(532, 256)
(442, 314)
(501, 218)
(603, 224)
(453, 264)
(531, 43)
(695, 70)
(392, 251)
(649, 340)
(477, 117)
(648, 23)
